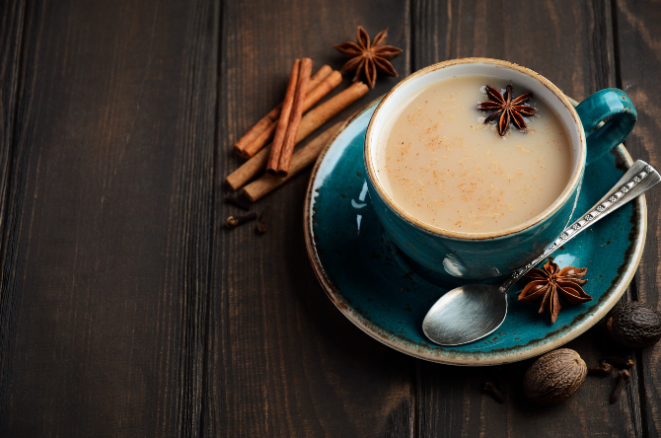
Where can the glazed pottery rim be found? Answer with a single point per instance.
(564, 197)
(439, 355)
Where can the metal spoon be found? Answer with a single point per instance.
(469, 313)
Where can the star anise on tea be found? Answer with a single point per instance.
(551, 283)
(506, 110)
(368, 57)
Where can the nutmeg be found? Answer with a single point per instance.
(554, 377)
(634, 325)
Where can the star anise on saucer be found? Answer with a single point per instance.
(510, 111)
(551, 283)
(368, 57)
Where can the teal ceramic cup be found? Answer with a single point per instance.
(599, 123)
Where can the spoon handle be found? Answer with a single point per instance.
(638, 179)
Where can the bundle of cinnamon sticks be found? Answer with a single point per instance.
(287, 125)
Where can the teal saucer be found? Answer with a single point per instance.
(387, 296)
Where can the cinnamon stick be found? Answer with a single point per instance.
(323, 88)
(249, 169)
(310, 122)
(314, 95)
(272, 117)
(329, 109)
(287, 105)
(281, 166)
(300, 160)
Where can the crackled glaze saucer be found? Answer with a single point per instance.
(387, 295)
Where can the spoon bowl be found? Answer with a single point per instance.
(465, 314)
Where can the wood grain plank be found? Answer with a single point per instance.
(639, 51)
(12, 19)
(571, 43)
(109, 210)
(283, 362)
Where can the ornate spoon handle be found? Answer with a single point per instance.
(638, 179)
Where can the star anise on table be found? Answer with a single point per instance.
(510, 111)
(368, 57)
(551, 283)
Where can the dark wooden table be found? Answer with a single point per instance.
(127, 311)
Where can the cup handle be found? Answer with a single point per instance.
(612, 107)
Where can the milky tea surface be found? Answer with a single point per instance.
(440, 163)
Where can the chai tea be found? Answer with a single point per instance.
(443, 165)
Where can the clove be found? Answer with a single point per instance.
(261, 225)
(619, 362)
(603, 369)
(490, 388)
(237, 202)
(622, 379)
(235, 221)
